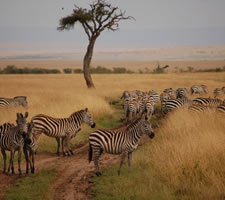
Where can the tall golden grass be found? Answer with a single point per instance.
(188, 154)
(188, 150)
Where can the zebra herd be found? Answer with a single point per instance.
(139, 108)
(137, 102)
(24, 137)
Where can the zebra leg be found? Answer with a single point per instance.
(122, 161)
(96, 158)
(66, 141)
(5, 158)
(32, 165)
(129, 160)
(58, 145)
(27, 160)
(19, 161)
(12, 153)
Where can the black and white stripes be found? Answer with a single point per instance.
(64, 128)
(119, 141)
(13, 102)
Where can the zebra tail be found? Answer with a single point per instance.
(90, 153)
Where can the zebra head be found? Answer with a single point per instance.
(21, 101)
(88, 119)
(29, 135)
(22, 123)
(146, 128)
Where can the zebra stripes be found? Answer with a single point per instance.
(207, 101)
(199, 89)
(13, 102)
(64, 128)
(13, 140)
(173, 104)
(30, 148)
(119, 141)
(199, 108)
(181, 93)
(219, 92)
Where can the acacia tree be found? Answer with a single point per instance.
(99, 17)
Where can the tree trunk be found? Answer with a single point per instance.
(87, 61)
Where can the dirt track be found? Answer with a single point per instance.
(72, 174)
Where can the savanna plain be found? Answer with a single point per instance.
(185, 160)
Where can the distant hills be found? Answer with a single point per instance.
(131, 54)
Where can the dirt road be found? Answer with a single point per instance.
(72, 174)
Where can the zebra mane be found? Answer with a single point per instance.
(133, 123)
(80, 112)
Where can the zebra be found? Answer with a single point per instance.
(219, 92)
(4, 128)
(198, 89)
(207, 101)
(64, 128)
(221, 108)
(118, 141)
(169, 92)
(13, 102)
(149, 107)
(13, 140)
(199, 108)
(131, 108)
(154, 95)
(173, 104)
(30, 148)
(181, 93)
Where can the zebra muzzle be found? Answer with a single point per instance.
(152, 135)
(93, 125)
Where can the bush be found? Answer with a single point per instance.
(67, 71)
(12, 69)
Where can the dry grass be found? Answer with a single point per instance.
(187, 155)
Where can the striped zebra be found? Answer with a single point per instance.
(4, 128)
(149, 107)
(13, 141)
(64, 128)
(169, 92)
(13, 102)
(198, 89)
(199, 108)
(207, 101)
(30, 148)
(218, 92)
(221, 108)
(181, 93)
(118, 141)
(154, 95)
(173, 104)
(131, 108)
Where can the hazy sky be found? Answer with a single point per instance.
(31, 25)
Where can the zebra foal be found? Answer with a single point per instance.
(13, 140)
(118, 141)
(62, 128)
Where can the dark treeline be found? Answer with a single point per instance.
(12, 69)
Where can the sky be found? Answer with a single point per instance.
(31, 25)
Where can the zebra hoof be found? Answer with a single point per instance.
(32, 170)
(58, 154)
(98, 173)
(118, 173)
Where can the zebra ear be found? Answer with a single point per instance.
(18, 115)
(26, 114)
(86, 109)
